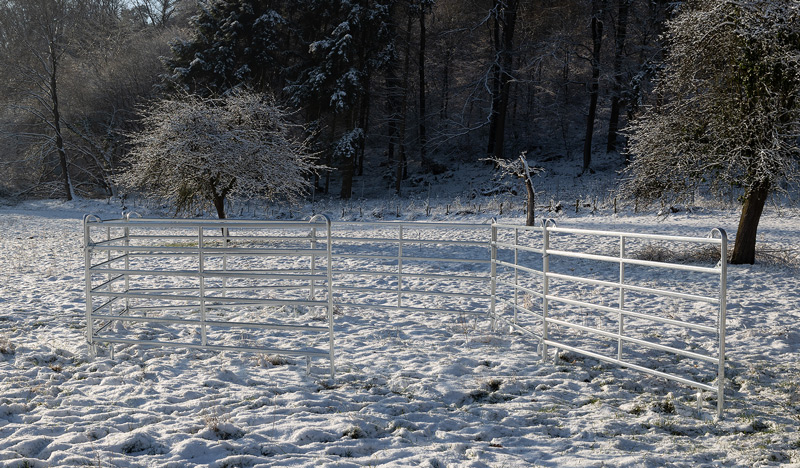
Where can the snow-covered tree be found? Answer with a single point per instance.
(730, 120)
(352, 41)
(232, 42)
(195, 151)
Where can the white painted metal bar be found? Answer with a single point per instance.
(630, 287)
(211, 347)
(723, 307)
(630, 365)
(519, 267)
(520, 227)
(520, 248)
(388, 240)
(634, 235)
(545, 284)
(212, 323)
(515, 306)
(621, 316)
(411, 275)
(355, 305)
(493, 275)
(530, 291)
(631, 261)
(418, 292)
(400, 267)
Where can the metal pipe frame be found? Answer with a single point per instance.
(717, 237)
(204, 297)
(213, 245)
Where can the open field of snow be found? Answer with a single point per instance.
(418, 390)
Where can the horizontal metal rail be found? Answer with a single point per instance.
(634, 235)
(410, 275)
(210, 347)
(411, 309)
(212, 323)
(630, 365)
(416, 292)
(631, 261)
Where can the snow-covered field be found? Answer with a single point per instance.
(430, 391)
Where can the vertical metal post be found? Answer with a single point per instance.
(516, 273)
(201, 275)
(127, 244)
(621, 318)
(226, 240)
(493, 274)
(723, 310)
(400, 268)
(545, 285)
(87, 258)
(329, 255)
(311, 291)
(109, 276)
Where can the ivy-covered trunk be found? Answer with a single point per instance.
(744, 250)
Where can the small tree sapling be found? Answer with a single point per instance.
(521, 169)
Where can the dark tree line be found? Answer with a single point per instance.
(406, 85)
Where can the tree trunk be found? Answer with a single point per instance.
(423, 140)
(363, 123)
(445, 84)
(401, 170)
(494, 84)
(219, 204)
(530, 218)
(348, 169)
(616, 98)
(62, 153)
(744, 250)
(392, 104)
(597, 38)
(506, 63)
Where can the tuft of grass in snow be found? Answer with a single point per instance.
(6, 346)
(660, 253)
(271, 360)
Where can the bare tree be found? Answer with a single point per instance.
(594, 84)
(504, 13)
(156, 12)
(620, 35)
(39, 33)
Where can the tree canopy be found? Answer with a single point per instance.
(730, 117)
(195, 151)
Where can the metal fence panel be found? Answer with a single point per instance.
(601, 294)
(593, 294)
(209, 284)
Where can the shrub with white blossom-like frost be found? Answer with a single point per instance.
(196, 152)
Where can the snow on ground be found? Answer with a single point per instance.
(430, 392)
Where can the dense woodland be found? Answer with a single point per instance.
(406, 85)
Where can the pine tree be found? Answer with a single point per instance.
(337, 80)
(233, 43)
